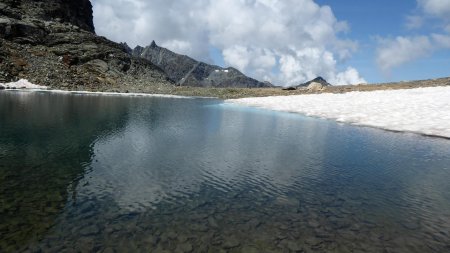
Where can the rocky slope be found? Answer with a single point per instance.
(186, 71)
(52, 43)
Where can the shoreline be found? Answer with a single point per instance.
(24, 85)
(100, 93)
(387, 109)
(234, 93)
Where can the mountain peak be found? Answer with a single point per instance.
(318, 79)
(153, 44)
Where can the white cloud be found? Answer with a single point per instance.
(392, 53)
(396, 52)
(434, 10)
(286, 42)
(305, 63)
(414, 22)
(238, 55)
(442, 41)
(351, 75)
(438, 8)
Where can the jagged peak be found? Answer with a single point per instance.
(319, 78)
(153, 44)
(126, 47)
(138, 48)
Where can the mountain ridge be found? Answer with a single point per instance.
(186, 71)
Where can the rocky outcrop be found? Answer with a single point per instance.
(186, 71)
(78, 13)
(53, 43)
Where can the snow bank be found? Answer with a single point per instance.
(422, 110)
(22, 84)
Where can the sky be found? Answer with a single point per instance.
(288, 42)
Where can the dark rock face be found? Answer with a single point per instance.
(77, 13)
(319, 80)
(186, 71)
(52, 43)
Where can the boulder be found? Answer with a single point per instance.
(315, 86)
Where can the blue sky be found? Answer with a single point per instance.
(386, 18)
(288, 42)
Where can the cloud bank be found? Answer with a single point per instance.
(395, 52)
(286, 42)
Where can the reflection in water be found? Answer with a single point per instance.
(154, 174)
(45, 142)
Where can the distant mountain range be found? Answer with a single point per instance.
(185, 71)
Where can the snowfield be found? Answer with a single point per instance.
(422, 110)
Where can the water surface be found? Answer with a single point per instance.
(137, 174)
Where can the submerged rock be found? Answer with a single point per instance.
(231, 242)
(184, 248)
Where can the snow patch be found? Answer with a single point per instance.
(422, 110)
(221, 70)
(22, 84)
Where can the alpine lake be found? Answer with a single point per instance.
(90, 173)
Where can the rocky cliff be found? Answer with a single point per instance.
(78, 13)
(186, 71)
(52, 42)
